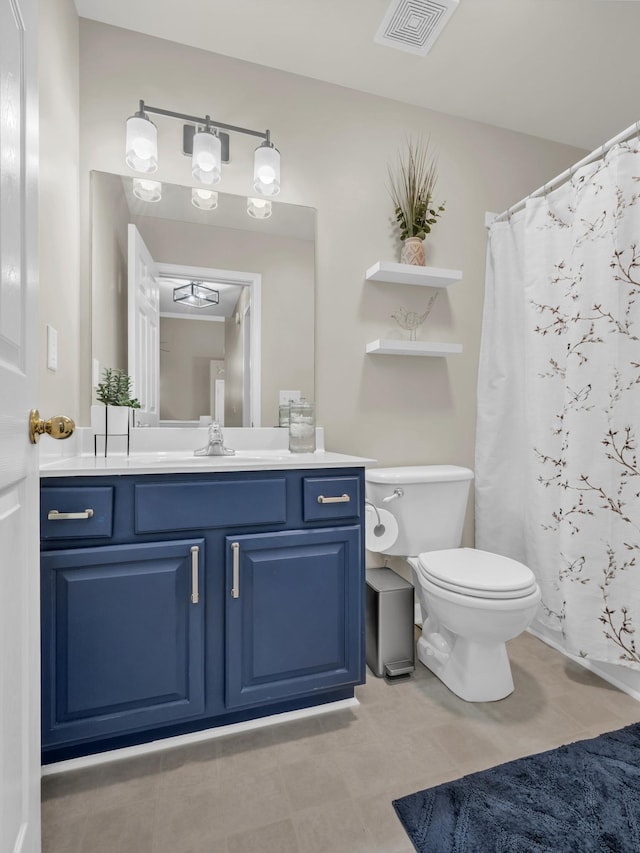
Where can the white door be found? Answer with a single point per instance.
(19, 570)
(144, 329)
(247, 409)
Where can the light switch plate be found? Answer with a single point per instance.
(288, 396)
(52, 348)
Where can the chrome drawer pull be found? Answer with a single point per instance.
(195, 597)
(341, 499)
(54, 515)
(235, 592)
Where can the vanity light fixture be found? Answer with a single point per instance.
(207, 144)
(147, 190)
(206, 160)
(266, 168)
(142, 143)
(259, 208)
(196, 294)
(204, 199)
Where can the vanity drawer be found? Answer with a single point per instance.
(189, 505)
(330, 498)
(69, 512)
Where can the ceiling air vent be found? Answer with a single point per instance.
(414, 25)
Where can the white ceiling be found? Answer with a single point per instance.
(565, 70)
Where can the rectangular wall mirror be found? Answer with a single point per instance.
(254, 278)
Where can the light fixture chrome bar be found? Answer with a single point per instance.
(206, 121)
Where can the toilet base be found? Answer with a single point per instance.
(476, 672)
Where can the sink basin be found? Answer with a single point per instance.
(241, 457)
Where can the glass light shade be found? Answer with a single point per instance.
(204, 199)
(141, 145)
(266, 170)
(207, 157)
(196, 294)
(259, 208)
(147, 190)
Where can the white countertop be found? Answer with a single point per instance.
(170, 451)
(180, 463)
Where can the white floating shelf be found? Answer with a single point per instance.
(381, 347)
(410, 274)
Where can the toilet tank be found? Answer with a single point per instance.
(430, 513)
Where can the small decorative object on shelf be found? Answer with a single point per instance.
(411, 320)
(412, 184)
(113, 418)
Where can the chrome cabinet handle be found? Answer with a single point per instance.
(195, 596)
(341, 499)
(235, 548)
(54, 515)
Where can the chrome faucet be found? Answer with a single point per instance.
(215, 443)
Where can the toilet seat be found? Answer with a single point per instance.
(480, 574)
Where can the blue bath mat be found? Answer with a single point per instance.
(579, 798)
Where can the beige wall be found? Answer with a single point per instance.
(336, 144)
(186, 348)
(61, 298)
(109, 264)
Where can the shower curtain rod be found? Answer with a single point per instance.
(631, 131)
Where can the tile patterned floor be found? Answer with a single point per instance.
(325, 784)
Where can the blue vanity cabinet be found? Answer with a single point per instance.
(128, 655)
(122, 638)
(292, 613)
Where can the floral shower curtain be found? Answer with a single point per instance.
(557, 456)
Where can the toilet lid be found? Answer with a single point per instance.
(469, 571)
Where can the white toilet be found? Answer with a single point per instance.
(472, 601)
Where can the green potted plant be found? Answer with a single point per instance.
(411, 186)
(114, 392)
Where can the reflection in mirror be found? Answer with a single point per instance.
(230, 358)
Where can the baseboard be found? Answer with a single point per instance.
(194, 737)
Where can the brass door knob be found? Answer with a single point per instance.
(59, 426)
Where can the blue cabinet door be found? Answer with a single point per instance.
(122, 638)
(294, 614)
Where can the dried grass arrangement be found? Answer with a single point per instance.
(411, 186)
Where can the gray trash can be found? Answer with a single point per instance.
(389, 623)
